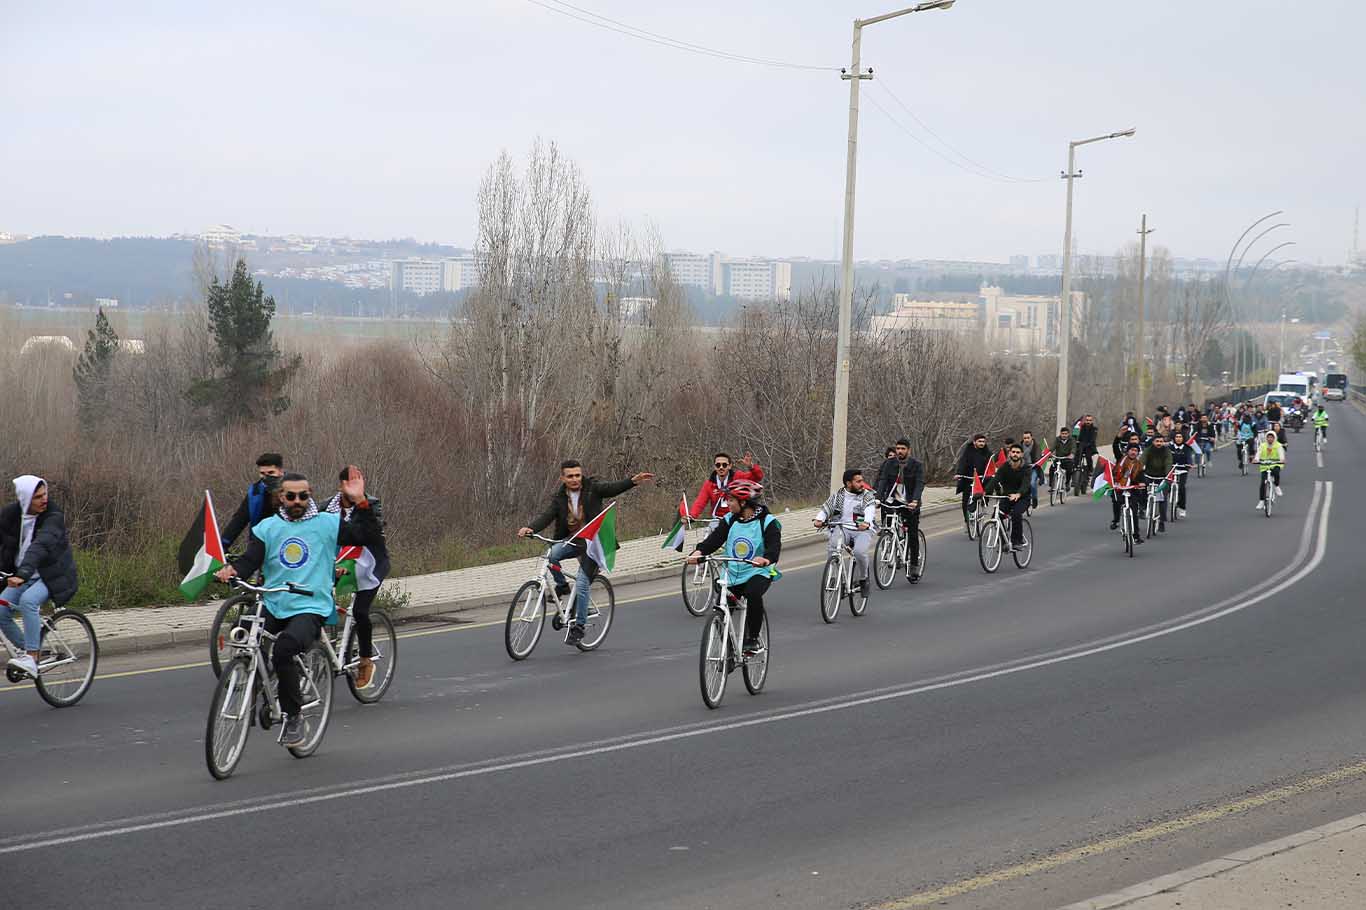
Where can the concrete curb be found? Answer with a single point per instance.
(1215, 867)
(198, 636)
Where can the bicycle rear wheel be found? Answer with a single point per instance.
(711, 662)
(526, 619)
(67, 658)
(884, 559)
(1129, 526)
(315, 690)
(229, 612)
(225, 739)
(831, 582)
(989, 547)
(917, 572)
(755, 669)
(1054, 494)
(974, 523)
(384, 658)
(1022, 557)
(697, 588)
(858, 598)
(602, 602)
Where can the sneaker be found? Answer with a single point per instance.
(862, 587)
(26, 663)
(1180, 513)
(1261, 505)
(752, 647)
(562, 590)
(1278, 492)
(295, 731)
(575, 633)
(1138, 538)
(1114, 526)
(365, 673)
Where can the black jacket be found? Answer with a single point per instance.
(773, 536)
(970, 459)
(1086, 440)
(48, 555)
(380, 548)
(363, 530)
(913, 477)
(1009, 480)
(590, 498)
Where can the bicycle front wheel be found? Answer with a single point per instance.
(884, 559)
(229, 612)
(229, 717)
(384, 657)
(755, 668)
(526, 619)
(917, 571)
(602, 603)
(316, 691)
(711, 663)
(831, 580)
(974, 522)
(1022, 557)
(67, 658)
(697, 588)
(989, 547)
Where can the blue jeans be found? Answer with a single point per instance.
(588, 570)
(28, 598)
(1208, 449)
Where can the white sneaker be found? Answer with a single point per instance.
(1278, 492)
(26, 663)
(1261, 505)
(1180, 513)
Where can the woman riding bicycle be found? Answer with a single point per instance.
(748, 531)
(36, 553)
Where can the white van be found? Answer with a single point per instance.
(1293, 382)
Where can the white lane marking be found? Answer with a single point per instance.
(1323, 490)
(1319, 455)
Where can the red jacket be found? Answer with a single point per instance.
(712, 496)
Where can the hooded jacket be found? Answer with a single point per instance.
(38, 547)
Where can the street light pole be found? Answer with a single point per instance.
(1228, 291)
(1065, 304)
(1143, 233)
(840, 431)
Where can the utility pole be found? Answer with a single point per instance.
(1065, 304)
(1143, 233)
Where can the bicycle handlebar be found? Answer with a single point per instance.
(827, 526)
(289, 588)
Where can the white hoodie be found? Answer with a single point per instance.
(25, 486)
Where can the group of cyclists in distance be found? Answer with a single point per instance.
(293, 537)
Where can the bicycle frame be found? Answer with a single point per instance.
(52, 636)
(543, 576)
(248, 640)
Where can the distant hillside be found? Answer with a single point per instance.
(137, 269)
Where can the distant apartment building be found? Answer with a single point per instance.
(748, 279)
(222, 235)
(1000, 322)
(1019, 264)
(430, 276)
(1050, 262)
(7, 237)
(961, 317)
(107, 303)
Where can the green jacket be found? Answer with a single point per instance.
(1157, 462)
(1064, 448)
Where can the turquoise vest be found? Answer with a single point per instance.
(303, 552)
(745, 540)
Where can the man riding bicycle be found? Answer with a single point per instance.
(1088, 436)
(1013, 480)
(35, 551)
(1157, 464)
(749, 532)
(372, 567)
(1128, 473)
(259, 503)
(1064, 458)
(851, 505)
(1181, 460)
(577, 502)
(298, 545)
(972, 459)
(1320, 420)
(901, 480)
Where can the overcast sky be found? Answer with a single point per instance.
(377, 120)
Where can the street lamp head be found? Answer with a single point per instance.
(934, 4)
(1124, 134)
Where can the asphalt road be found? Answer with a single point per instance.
(973, 741)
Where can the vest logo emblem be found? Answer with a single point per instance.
(293, 552)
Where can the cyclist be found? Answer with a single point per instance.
(298, 545)
(1181, 460)
(972, 458)
(1271, 457)
(36, 553)
(1012, 479)
(1157, 464)
(1129, 473)
(1247, 438)
(851, 504)
(1320, 419)
(747, 531)
(712, 497)
(1064, 458)
(1205, 438)
(577, 502)
(1032, 453)
(259, 503)
(901, 479)
(1086, 452)
(372, 567)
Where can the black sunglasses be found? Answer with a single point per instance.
(291, 496)
(723, 464)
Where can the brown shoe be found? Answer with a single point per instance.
(365, 673)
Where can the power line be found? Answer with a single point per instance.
(613, 25)
(965, 164)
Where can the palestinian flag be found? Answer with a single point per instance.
(674, 539)
(601, 534)
(1076, 430)
(977, 488)
(1167, 482)
(1105, 480)
(991, 469)
(1043, 459)
(1194, 444)
(358, 570)
(201, 552)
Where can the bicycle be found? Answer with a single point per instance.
(1153, 511)
(1060, 469)
(234, 708)
(976, 512)
(1201, 463)
(1081, 474)
(526, 616)
(68, 653)
(1242, 459)
(1268, 485)
(893, 550)
(1174, 510)
(994, 535)
(1320, 439)
(837, 581)
(722, 650)
(698, 580)
(1128, 528)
